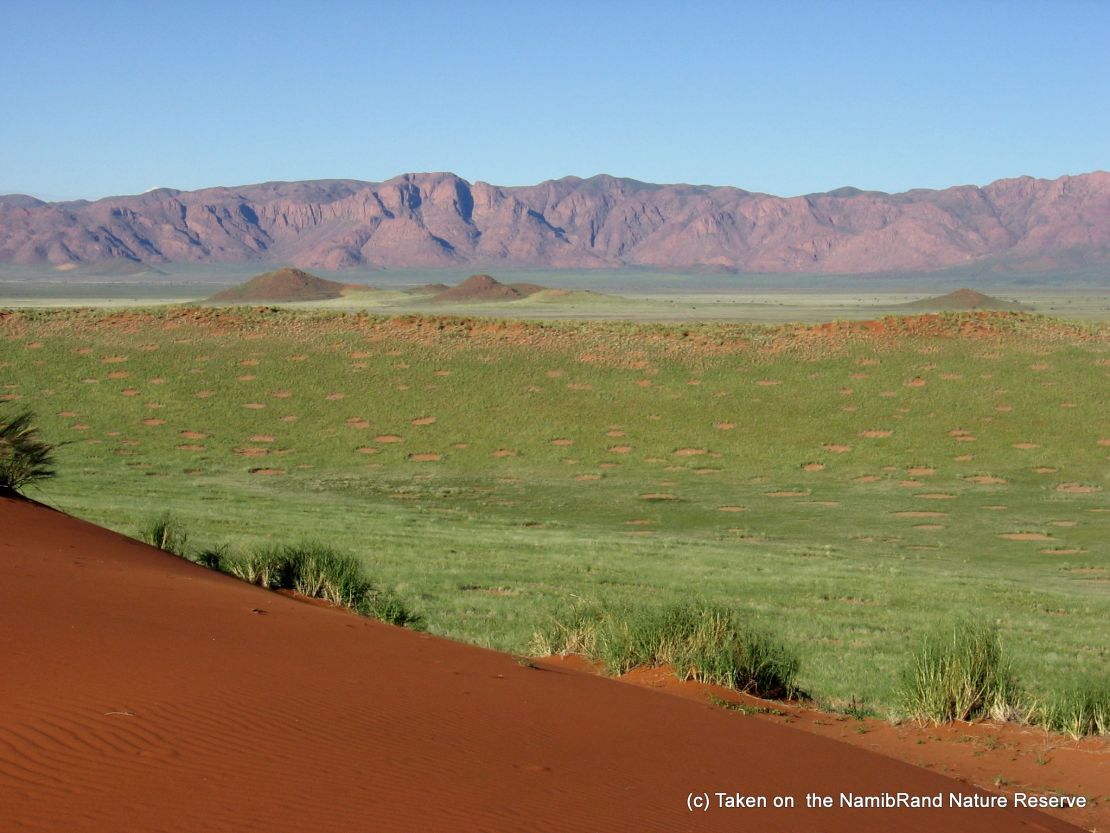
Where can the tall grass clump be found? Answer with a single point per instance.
(166, 533)
(707, 643)
(321, 572)
(24, 457)
(1083, 710)
(959, 673)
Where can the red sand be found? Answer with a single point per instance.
(142, 693)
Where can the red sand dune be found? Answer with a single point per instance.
(142, 693)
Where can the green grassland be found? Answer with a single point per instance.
(846, 490)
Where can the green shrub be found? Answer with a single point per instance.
(707, 643)
(959, 673)
(166, 533)
(24, 457)
(1083, 710)
(389, 607)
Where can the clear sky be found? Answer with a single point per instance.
(101, 98)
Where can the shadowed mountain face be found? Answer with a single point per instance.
(440, 220)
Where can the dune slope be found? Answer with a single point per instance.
(140, 692)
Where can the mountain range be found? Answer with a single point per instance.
(433, 220)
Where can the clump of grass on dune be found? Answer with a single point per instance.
(165, 533)
(24, 456)
(959, 673)
(706, 643)
(321, 572)
(311, 569)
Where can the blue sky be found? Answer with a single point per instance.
(789, 98)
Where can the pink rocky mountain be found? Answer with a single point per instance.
(440, 220)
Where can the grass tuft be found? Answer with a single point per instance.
(166, 533)
(24, 457)
(1083, 710)
(959, 673)
(706, 643)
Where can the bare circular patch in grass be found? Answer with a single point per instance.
(935, 496)
(190, 447)
(876, 433)
(619, 449)
(813, 466)
(1063, 551)
(388, 438)
(335, 396)
(425, 420)
(358, 423)
(194, 435)
(1025, 446)
(1077, 488)
(254, 406)
(788, 493)
(732, 508)
(154, 421)
(834, 448)
(426, 457)
(657, 496)
(585, 477)
(562, 441)
(985, 480)
(504, 452)
(689, 452)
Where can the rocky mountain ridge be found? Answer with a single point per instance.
(440, 220)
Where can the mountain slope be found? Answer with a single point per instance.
(439, 220)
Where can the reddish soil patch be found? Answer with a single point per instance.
(118, 374)
(562, 441)
(358, 423)
(985, 480)
(427, 420)
(876, 433)
(657, 496)
(732, 508)
(190, 447)
(193, 435)
(921, 471)
(837, 449)
(1025, 446)
(130, 392)
(335, 397)
(787, 493)
(935, 496)
(1063, 551)
(388, 438)
(615, 432)
(813, 467)
(504, 452)
(619, 449)
(281, 394)
(425, 457)
(367, 449)
(252, 452)
(1077, 488)
(254, 406)
(768, 383)
(154, 422)
(724, 426)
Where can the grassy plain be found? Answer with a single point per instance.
(846, 487)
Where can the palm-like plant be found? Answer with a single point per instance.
(24, 457)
